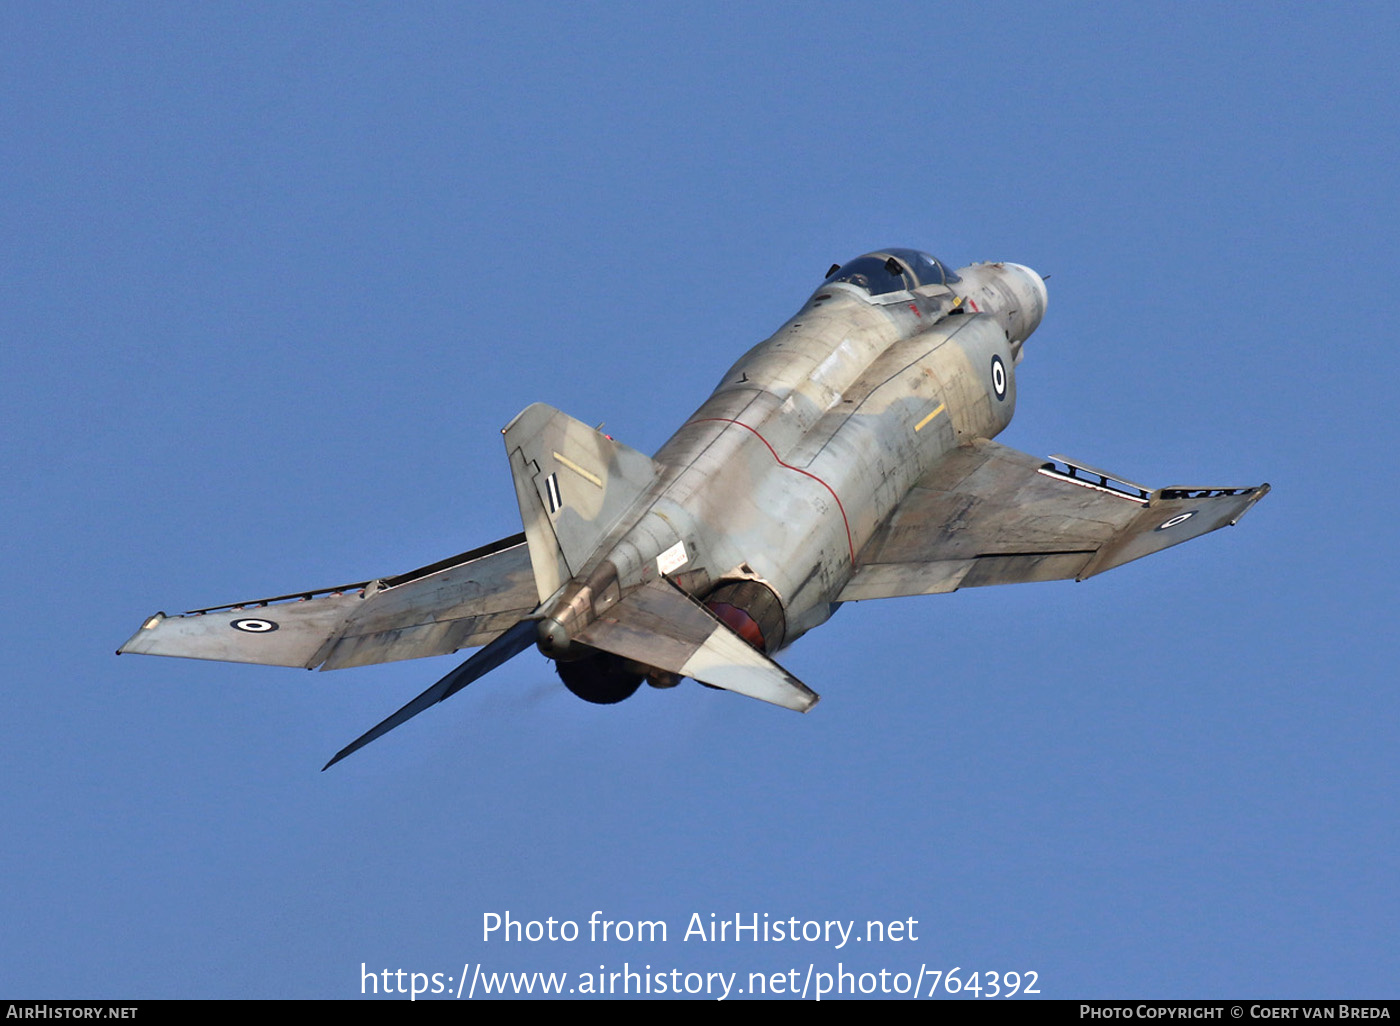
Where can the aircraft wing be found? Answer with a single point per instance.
(460, 602)
(986, 514)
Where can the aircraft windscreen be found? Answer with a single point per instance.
(892, 270)
(929, 270)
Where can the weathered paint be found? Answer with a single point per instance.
(805, 447)
(849, 456)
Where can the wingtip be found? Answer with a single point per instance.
(340, 755)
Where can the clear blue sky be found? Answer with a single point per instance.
(274, 277)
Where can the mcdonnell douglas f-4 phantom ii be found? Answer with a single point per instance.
(847, 457)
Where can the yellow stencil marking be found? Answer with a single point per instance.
(586, 475)
(920, 425)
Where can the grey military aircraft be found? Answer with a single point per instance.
(847, 457)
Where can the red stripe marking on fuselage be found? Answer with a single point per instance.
(806, 473)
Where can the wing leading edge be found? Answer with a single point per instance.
(461, 602)
(987, 514)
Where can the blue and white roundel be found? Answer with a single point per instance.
(252, 625)
(998, 377)
(1180, 518)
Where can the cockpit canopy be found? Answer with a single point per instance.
(892, 270)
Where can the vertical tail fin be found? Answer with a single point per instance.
(573, 485)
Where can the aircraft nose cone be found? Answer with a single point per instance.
(1030, 288)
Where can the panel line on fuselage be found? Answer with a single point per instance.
(850, 544)
(854, 403)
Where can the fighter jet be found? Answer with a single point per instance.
(847, 457)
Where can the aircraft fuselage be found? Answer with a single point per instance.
(811, 440)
